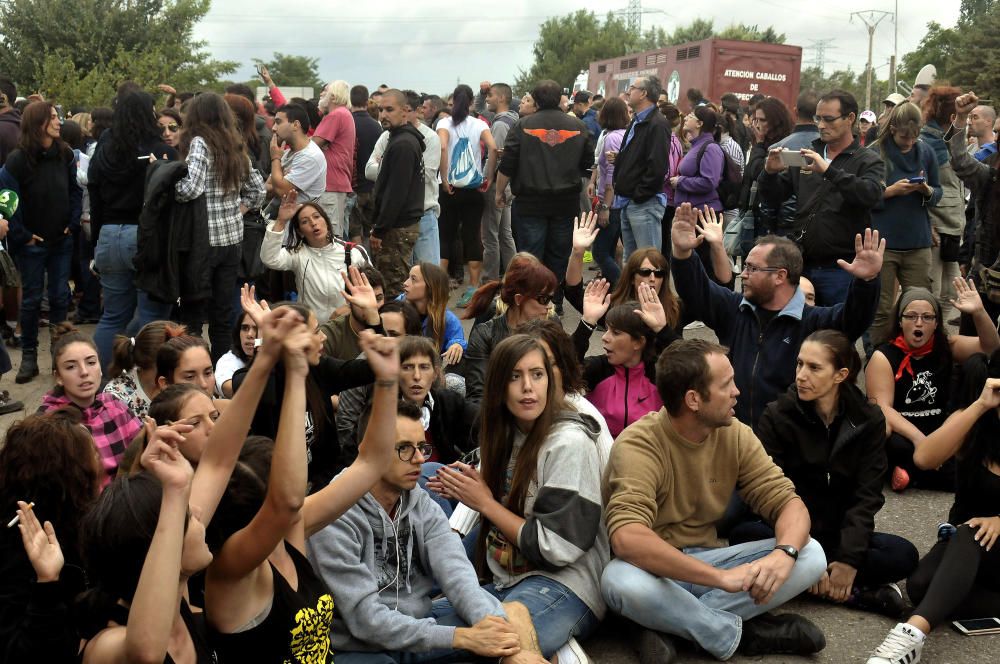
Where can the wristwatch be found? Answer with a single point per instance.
(601, 207)
(789, 549)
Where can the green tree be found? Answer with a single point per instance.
(972, 10)
(698, 29)
(567, 44)
(77, 51)
(844, 79)
(975, 63)
(937, 48)
(744, 32)
(296, 71)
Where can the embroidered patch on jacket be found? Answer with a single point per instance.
(552, 137)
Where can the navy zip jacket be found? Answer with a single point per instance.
(764, 360)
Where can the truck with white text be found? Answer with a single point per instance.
(714, 66)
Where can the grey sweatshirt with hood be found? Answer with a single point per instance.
(382, 572)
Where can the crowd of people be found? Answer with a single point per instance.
(377, 487)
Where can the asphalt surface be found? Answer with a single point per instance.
(851, 635)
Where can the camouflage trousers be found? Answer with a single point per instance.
(393, 259)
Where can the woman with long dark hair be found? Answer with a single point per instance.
(116, 181)
(219, 168)
(771, 122)
(47, 461)
(170, 123)
(463, 181)
(50, 207)
(960, 576)
(426, 288)
(542, 539)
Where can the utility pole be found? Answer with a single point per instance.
(895, 47)
(819, 60)
(871, 19)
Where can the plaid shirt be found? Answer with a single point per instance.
(109, 421)
(225, 223)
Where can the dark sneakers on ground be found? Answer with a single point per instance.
(656, 648)
(785, 634)
(8, 405)
(886, 600)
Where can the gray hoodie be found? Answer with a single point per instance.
(382, 574)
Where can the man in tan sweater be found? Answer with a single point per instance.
(667, 484)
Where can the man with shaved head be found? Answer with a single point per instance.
(981, 123)
(399, 193)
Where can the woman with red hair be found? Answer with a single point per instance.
(524, 294)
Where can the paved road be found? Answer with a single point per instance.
(851, 635)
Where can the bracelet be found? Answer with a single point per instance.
(385, 382)
(588, 325)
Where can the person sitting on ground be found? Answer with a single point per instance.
(766, 324)
(541, 539)
(621, 381)
(47, 461)
(77, 372)
(397, 525)
(185, 359)
(342, 331)
(910, 377)
(426, 288)
(960, 576)
(400, 319)
(646, 265)
(133, 365)
(668, 482)
(523, 294)
(315, 255)
(825, 426)
(240, 354)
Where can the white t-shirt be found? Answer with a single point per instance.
(226, 368)
(470, 128)
(306, 169)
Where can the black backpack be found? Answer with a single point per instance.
(731, 182)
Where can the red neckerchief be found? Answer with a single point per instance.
(901, 344)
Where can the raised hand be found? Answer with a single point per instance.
(868, 252)
(163, 459)
(683, 233)
(40, 544)
(296, 348)
(248, 300)
(963, 106)
(382, 354)
(651, 311)
(990, 398)
(596, 301)
(709, 226)
(358, 291)
(289, 207)
(273, 328)
(967, 298)
(166, 89)
(584, 231)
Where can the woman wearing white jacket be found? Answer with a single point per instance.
(317, 258)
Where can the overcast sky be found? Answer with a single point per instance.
(430, 46)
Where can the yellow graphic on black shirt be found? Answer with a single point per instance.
(311, 635)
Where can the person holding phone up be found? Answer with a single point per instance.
(902, 217)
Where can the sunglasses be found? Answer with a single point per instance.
(543, 299)
(647, 271)
(171, 127)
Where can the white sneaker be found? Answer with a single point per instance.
(902, 645)
(572, 653)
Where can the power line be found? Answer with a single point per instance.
(820, 46)
(871, 18)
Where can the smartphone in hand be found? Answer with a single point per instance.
(793, 158)
(920, 179)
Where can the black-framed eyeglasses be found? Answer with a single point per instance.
(827, 119)
(750, 268)
(927, 318)
(406, 451)
(647, 271)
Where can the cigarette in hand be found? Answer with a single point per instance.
(13, 522)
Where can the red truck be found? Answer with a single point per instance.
(714, 66)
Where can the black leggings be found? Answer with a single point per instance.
(460, 225)
(889, 557)
(956, 579)
(899, 451)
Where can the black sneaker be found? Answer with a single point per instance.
(8, 405)
(886, 600)
(786, 634)
(656, 648)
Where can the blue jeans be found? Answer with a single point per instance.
(35, 263)
(428, 246)
(429, 469)
(444, 614)
(642, 225)
(113, 258)
(605, 245)
(711, 617)
(549, 239)
(831, 284)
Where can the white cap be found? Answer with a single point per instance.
(869, 116)
(926, 76)
(895, 99)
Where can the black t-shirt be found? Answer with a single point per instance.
(922, 398)
(296, 629)
(977, 492)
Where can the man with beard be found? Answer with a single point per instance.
(765, 326)
(667, 483)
